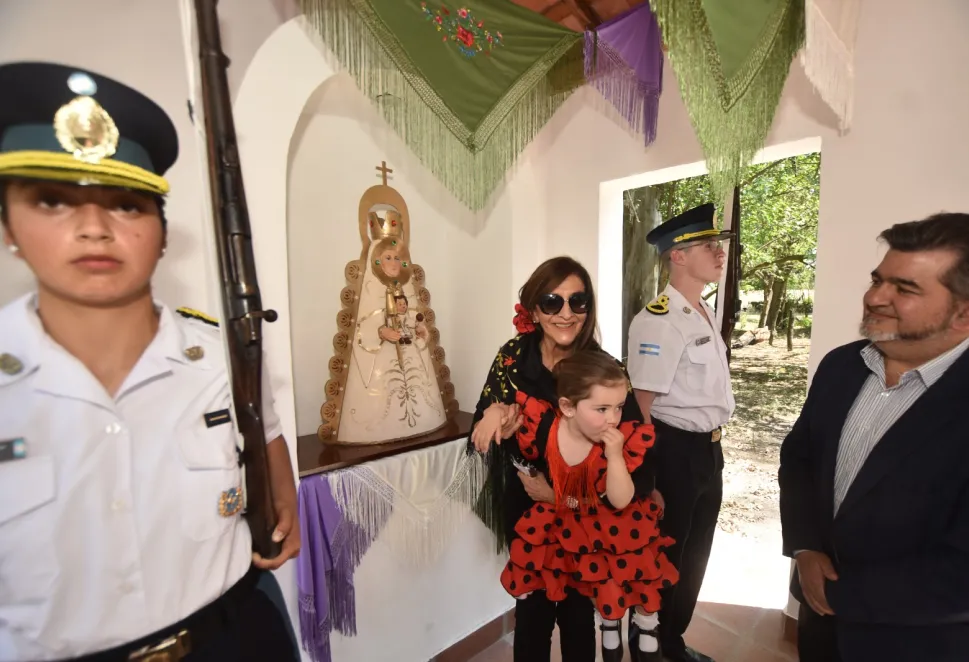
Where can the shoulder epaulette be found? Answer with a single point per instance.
(660, 305)
(191, 313)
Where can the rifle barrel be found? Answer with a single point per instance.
(241, 302)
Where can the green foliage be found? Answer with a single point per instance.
(676, 197)
(779, 217)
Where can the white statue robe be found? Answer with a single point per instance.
(391, 390)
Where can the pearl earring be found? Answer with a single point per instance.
(13, 248)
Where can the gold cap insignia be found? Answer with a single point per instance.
(10, 364)
(194, 353)
(86, 130)
(230, 502)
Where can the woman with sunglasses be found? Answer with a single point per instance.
(556, 317)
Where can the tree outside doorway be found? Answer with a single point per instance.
(771, 338)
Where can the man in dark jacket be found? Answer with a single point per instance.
(874, 475)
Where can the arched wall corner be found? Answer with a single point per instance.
(285, 72)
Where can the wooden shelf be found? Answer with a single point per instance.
(314, 457)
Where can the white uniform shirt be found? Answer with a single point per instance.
(681, 357)
(110, 528)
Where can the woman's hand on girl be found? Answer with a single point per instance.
(537, 488)
(499, 421)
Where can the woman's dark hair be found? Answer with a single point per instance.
(549, 275)
(944, 231)
(577, 374)
(159, 200)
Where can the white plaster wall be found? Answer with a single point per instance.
(905, 157)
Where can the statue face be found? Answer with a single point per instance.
(390, 262)
(401, 306)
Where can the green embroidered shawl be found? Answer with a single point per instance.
(466, 86)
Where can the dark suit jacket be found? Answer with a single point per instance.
(900, 542)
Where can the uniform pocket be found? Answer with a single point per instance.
(701, 360)
(28, 564)
(211, 471)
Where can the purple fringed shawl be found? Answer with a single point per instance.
(331, 550)
(624, 61)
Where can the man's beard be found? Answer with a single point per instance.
(914, 335)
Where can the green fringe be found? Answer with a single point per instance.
(471, 164)
(731, 118)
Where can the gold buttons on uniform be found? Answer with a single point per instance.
(194, 353)
(10, 364)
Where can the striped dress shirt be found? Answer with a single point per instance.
(878, 407)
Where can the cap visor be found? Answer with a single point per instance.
(49, 166)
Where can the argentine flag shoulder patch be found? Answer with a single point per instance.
(648, 349)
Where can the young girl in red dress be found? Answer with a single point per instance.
(597, 538)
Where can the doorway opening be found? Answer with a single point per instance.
(766, 311)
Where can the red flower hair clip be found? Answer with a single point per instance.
(523, 320)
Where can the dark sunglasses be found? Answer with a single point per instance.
(551, 304)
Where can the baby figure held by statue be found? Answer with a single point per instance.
(402, 325)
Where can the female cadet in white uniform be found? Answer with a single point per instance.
(679, 371)
(121, 536)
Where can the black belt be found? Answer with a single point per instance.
(193, 632)
(712, 436)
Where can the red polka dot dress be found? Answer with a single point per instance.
(612, 556)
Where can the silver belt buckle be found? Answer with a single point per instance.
(716, 435)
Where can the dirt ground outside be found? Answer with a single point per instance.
(769, 385)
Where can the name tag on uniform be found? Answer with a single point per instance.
(702, 341)
(217, 418)
(13, 449)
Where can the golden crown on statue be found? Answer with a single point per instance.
(386, 226)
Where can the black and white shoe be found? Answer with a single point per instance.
(612, 654)
(642, 656)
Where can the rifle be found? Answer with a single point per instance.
(731, 286)
(241, 303)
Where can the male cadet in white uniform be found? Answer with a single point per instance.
(678, 369)
(121, 536)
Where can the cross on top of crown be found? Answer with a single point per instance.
(384, 170)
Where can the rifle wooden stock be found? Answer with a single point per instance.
(731, 286)
(241, 303)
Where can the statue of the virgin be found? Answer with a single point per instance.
(388, 377)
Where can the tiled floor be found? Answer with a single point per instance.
(728, 633)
